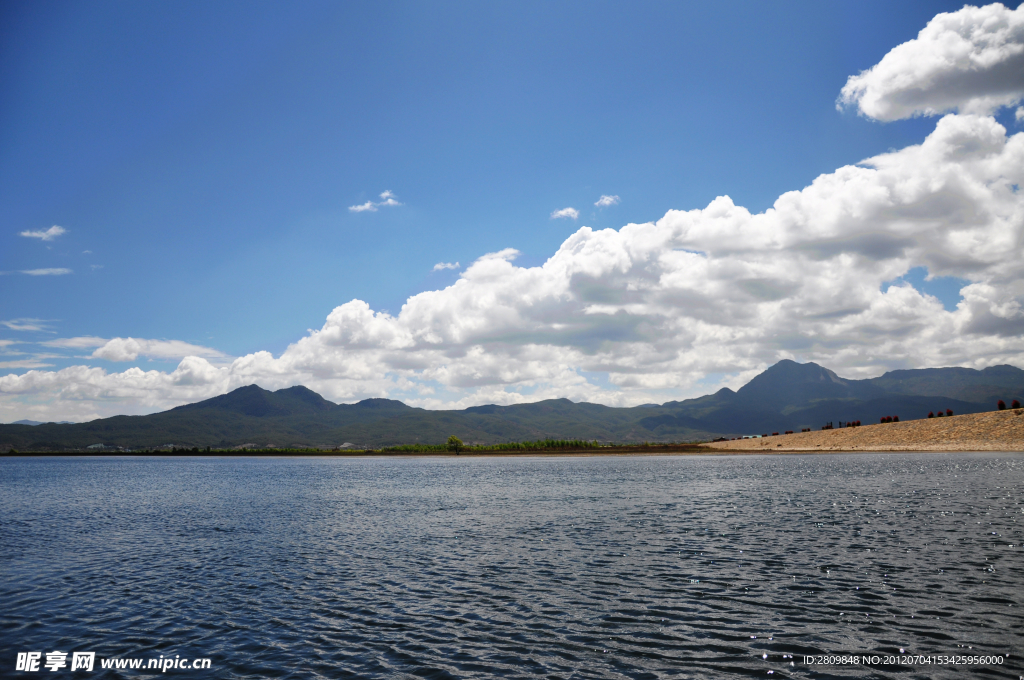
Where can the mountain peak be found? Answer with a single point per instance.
(793, 370)
(253, 400)
(300, 397)
(380, 404)
(793, 383)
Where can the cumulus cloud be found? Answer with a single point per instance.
(54, 271)
(387, 199)
(440, 266)
(46, 235)
(571, 213)
(658, 307)
(681, 306)
(678, 307)
(970, 61)
(606, 201)
(84, 393)
(1019, 114)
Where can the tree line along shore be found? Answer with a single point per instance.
(450, 448)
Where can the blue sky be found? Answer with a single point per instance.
(202, 159)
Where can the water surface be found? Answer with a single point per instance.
(596, 567)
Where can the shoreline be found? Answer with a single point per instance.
(1000, 431)
(527, 454)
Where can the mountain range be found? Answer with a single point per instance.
(786, 396)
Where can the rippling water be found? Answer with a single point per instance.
(602, 567)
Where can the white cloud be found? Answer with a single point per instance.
(1019, 114)
(81, 342)
(25, 324)
(605, 201)
(445, 265)
(83, 393)
(572, 213)
(47, 235)
(128, 349)
(660, 307)
(971, 61)
(56, 271)
(387, 199)
(24, 363)
(678, 307)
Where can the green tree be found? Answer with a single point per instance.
(455, 444)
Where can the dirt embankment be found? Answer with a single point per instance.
(993, 431)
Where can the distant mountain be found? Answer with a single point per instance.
(39, 422)
(792, 396)
(298, 417)
(259, 403)
(986, 386)
(786, 396)
(797, 385)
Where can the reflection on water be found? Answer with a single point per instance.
(518, 567)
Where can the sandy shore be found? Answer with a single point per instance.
(993, 431)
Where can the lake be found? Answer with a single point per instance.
(854, 565)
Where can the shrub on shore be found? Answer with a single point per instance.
(543, 445)
(455, 444)
(1001, 405)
